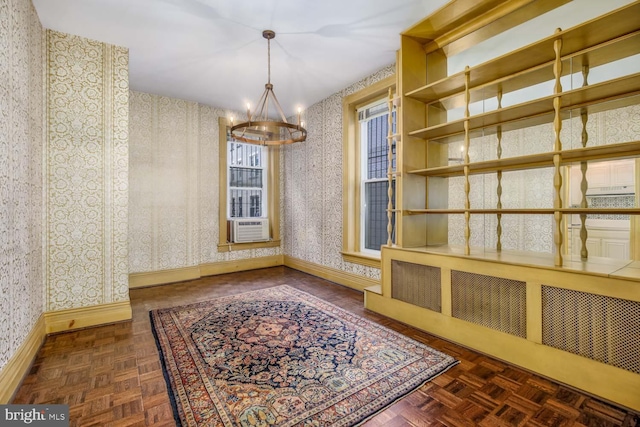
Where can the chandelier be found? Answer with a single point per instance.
(259, 128)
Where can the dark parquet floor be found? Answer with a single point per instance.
(111, 375)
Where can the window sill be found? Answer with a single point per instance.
(362, 259)
(229, 247)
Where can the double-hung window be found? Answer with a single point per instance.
(364, 173)
(374, 180)
(249, 187)
(247, 178)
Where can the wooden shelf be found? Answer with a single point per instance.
(566, 114)
(600, 152)
(433, 211)
(605, 53)
(603, 211)
(525, 211)
(549, 211)
(530, 64)
(523, 115)
(533, 161)
(511, 163)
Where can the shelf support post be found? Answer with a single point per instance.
(467, 185)
(584, 185)
(499, 176)
(557, 147)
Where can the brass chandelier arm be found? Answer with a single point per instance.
(259, 112)
(277, 104)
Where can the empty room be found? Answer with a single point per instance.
(296, 213)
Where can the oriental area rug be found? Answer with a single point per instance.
(281, 357)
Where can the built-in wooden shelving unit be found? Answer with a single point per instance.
(544, 311)
(603, 40)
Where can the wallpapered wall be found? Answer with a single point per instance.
(312, 185)
(86, 172)
(21, 140)
(173, 179)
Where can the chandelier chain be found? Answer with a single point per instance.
(268, 60)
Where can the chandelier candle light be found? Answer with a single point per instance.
(259, 128)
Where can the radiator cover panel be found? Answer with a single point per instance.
(599, 327)
(494, 302)
(416, 284)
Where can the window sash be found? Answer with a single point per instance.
(246, 180)
(373, 176)
(374, 213)
(245, 155)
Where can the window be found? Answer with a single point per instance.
(249, 187)
(365, 160)
(374, 156)
(246, 190)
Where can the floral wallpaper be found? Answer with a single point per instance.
(21, 141)
(173, 179)
(86, 156)
(312, 185)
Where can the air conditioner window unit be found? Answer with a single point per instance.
(245, 230)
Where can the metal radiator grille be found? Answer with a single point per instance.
(601, 328)
(489, 301)
(416, 284)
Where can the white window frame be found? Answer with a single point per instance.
(363, 154)
(351, 250)
(273, 195)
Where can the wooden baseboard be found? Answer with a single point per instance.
(350, 280)
(83, 317)
(152, 278)
(224, 267)
(354, 281)
(18, 366)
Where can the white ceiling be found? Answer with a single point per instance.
(213, 52)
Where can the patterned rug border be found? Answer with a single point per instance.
(171, 390)
(165, 373)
